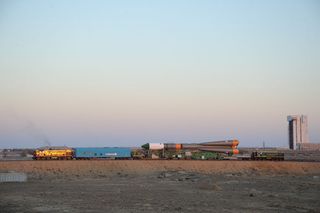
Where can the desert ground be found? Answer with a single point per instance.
(162, 186)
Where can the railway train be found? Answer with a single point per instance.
(214, 150)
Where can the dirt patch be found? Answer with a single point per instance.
(95, 168)
(162, 186)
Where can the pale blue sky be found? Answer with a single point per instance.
(123, 73)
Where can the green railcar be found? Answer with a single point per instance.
(192, 155)
(206, 156)
(267, 155)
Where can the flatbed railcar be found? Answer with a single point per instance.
(267, 155)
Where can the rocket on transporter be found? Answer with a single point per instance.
(227, 146)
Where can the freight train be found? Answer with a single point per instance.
(214, 150)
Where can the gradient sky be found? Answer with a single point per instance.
(123, 73)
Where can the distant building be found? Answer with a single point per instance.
(298, 131)
(308, 146)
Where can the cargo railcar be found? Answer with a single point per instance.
(102, 153)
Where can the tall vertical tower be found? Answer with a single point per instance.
(298, 130)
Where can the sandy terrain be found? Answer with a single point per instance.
(162, 186)
(95, 167)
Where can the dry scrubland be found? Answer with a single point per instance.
(162, 186)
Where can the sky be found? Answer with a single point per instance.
(124, 73)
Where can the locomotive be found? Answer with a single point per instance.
(53, 153)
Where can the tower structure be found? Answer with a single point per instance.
(298, 130)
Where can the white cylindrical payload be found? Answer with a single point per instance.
(155, 146)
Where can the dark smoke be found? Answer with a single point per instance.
(36, 133)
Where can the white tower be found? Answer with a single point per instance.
(298, 130)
